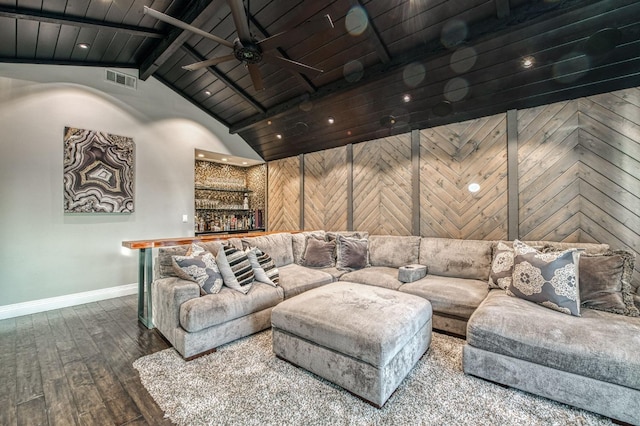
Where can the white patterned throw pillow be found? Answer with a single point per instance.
(199, 266)
(548, 279)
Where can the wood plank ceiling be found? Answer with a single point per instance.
(389, 66)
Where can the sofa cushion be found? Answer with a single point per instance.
(600, 345)
(549, 279)
(393, 251)
(352, 253)
(235, 268)
(164, 262)
(379, 276)
(278, 246)
(605, 282)
(456, 258)
(296, 279)
(449, 296)
(318, 253)
(213, 309)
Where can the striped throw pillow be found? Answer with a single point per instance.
(235, 268)
(264, 267)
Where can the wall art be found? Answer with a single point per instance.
(98, 172)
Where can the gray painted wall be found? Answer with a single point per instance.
(46, 253)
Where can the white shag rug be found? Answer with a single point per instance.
(244, 383)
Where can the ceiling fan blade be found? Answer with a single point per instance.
(178, 23)
(256, 77)
(289, 64)
(240, 19)
(209, 62)
(296, 33)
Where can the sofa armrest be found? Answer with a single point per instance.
(167, 295)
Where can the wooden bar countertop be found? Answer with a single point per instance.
(166, 242)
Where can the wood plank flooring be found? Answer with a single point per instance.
(73, 366)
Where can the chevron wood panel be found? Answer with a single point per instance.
(610, 157)
(284, 195)
(451, 158)
(325, 189)
(549, 172)
(382, 186)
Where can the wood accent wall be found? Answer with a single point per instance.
(451, 158)
(325, 189)
(283, 200)
(578, 178)
(382, 186)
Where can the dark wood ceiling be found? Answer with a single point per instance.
(456, 60)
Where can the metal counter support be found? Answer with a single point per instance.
(145, 277)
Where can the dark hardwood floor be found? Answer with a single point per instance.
(73, 366)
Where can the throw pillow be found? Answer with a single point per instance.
(264, 268)
(501, 267)
(352, 253)
(235, 268)
(199, 266)
(318, 253)
(605, 282)
(549, 279)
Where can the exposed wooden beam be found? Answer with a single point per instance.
(196, 15)
(503, 9)
(301, 78)
(61, 19)
(190, 99)
(222, 77)
(374, 36)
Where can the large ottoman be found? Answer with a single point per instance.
(362, 338)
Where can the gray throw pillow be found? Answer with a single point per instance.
(605, 282)
(199, 266)
(264, 268)
(548, 279)
(352, 253)
(235, 268)
(318, 253)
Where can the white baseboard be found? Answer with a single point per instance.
(42, 305)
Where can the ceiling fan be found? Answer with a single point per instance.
(246, 48)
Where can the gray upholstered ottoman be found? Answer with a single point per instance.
(362, 338)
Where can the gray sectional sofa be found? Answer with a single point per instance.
(589, 361)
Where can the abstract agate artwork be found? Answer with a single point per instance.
(98, 172)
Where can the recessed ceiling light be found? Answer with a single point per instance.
(474, 187)
(406, 98)
(279, 136)
(201, 155)
(331, 120)
(207, 92)
(224, 159)
(528, 61)
(269, 122)
(244, 163)
(83, 45)
(348, 132)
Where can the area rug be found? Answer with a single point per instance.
(244, 383)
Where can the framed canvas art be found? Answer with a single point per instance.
(98, 172)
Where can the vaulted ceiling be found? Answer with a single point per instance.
(389, 65)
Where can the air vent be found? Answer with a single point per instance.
(121, 79)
